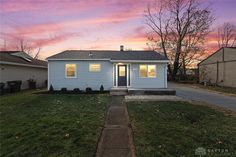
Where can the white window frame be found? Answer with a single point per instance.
(94, 71)
(75, 71)
(147, 70)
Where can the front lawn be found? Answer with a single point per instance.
(178, 128)
(51, 125)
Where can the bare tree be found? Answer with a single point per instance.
(28, 47)
(227, 35)
(173, 23)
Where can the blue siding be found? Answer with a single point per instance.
(84, 77)
(158, 82)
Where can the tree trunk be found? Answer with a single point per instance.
(176, 61)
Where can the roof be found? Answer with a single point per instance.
(215, 53)
(21, 59)
(108, 55)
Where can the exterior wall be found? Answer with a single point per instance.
(84, 78)
(105, 77)
(159, 82)
(23, 73)
(226, 68)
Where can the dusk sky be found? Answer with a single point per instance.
(57, 25)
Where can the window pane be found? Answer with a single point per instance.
(143, 70)
(122, 71)
(94, 67)
(151, 70)
(70, 70)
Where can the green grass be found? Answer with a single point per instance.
(51, 125)
(166, 129)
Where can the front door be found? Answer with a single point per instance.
(122, 79)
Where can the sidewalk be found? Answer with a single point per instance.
(116, 139)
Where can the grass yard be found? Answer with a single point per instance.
(168, 129)
(51, 125)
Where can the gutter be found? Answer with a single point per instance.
(20, 64)
(113, 61)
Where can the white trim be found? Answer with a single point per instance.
(127, 76)
(116, 75)
(130, 75)
(20, 64)
(165, 76)
(113, 73)
(140, 61)
(113, 61)
(48, 77)
(69, 77)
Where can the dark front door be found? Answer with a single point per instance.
(122, 79)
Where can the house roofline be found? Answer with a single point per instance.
(107, 59)
(140, 61)
(210, 55)
(215, 53)
(20, 64)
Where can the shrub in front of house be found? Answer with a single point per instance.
(88, 90)
(101, 89)
(63, 90)
(51, 89)
(76, 90)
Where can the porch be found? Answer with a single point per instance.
(141, 91)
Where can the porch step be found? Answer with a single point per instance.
(118, 91)
(158, 91)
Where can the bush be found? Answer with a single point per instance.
(63, 90)
(88, 90)
(76, 90)
(51, 89)
(101, 89)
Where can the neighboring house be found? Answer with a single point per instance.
(127, 69)
(16, 65)
(219, 68)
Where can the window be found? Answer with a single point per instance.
(122, 71)
(94, 67)
(147, 71)
(70, 70)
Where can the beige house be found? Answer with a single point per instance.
(219, 68)
(15, 65)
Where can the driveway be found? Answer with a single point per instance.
(198, 94)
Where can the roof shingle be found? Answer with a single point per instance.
(8, 56)
(112, 55)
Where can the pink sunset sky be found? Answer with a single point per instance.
(57, 25)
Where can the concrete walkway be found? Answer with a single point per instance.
(116, 139)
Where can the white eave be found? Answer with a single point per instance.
(107, 59)
(139, 61)
(20, 64)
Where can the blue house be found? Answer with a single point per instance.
(112, 69)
